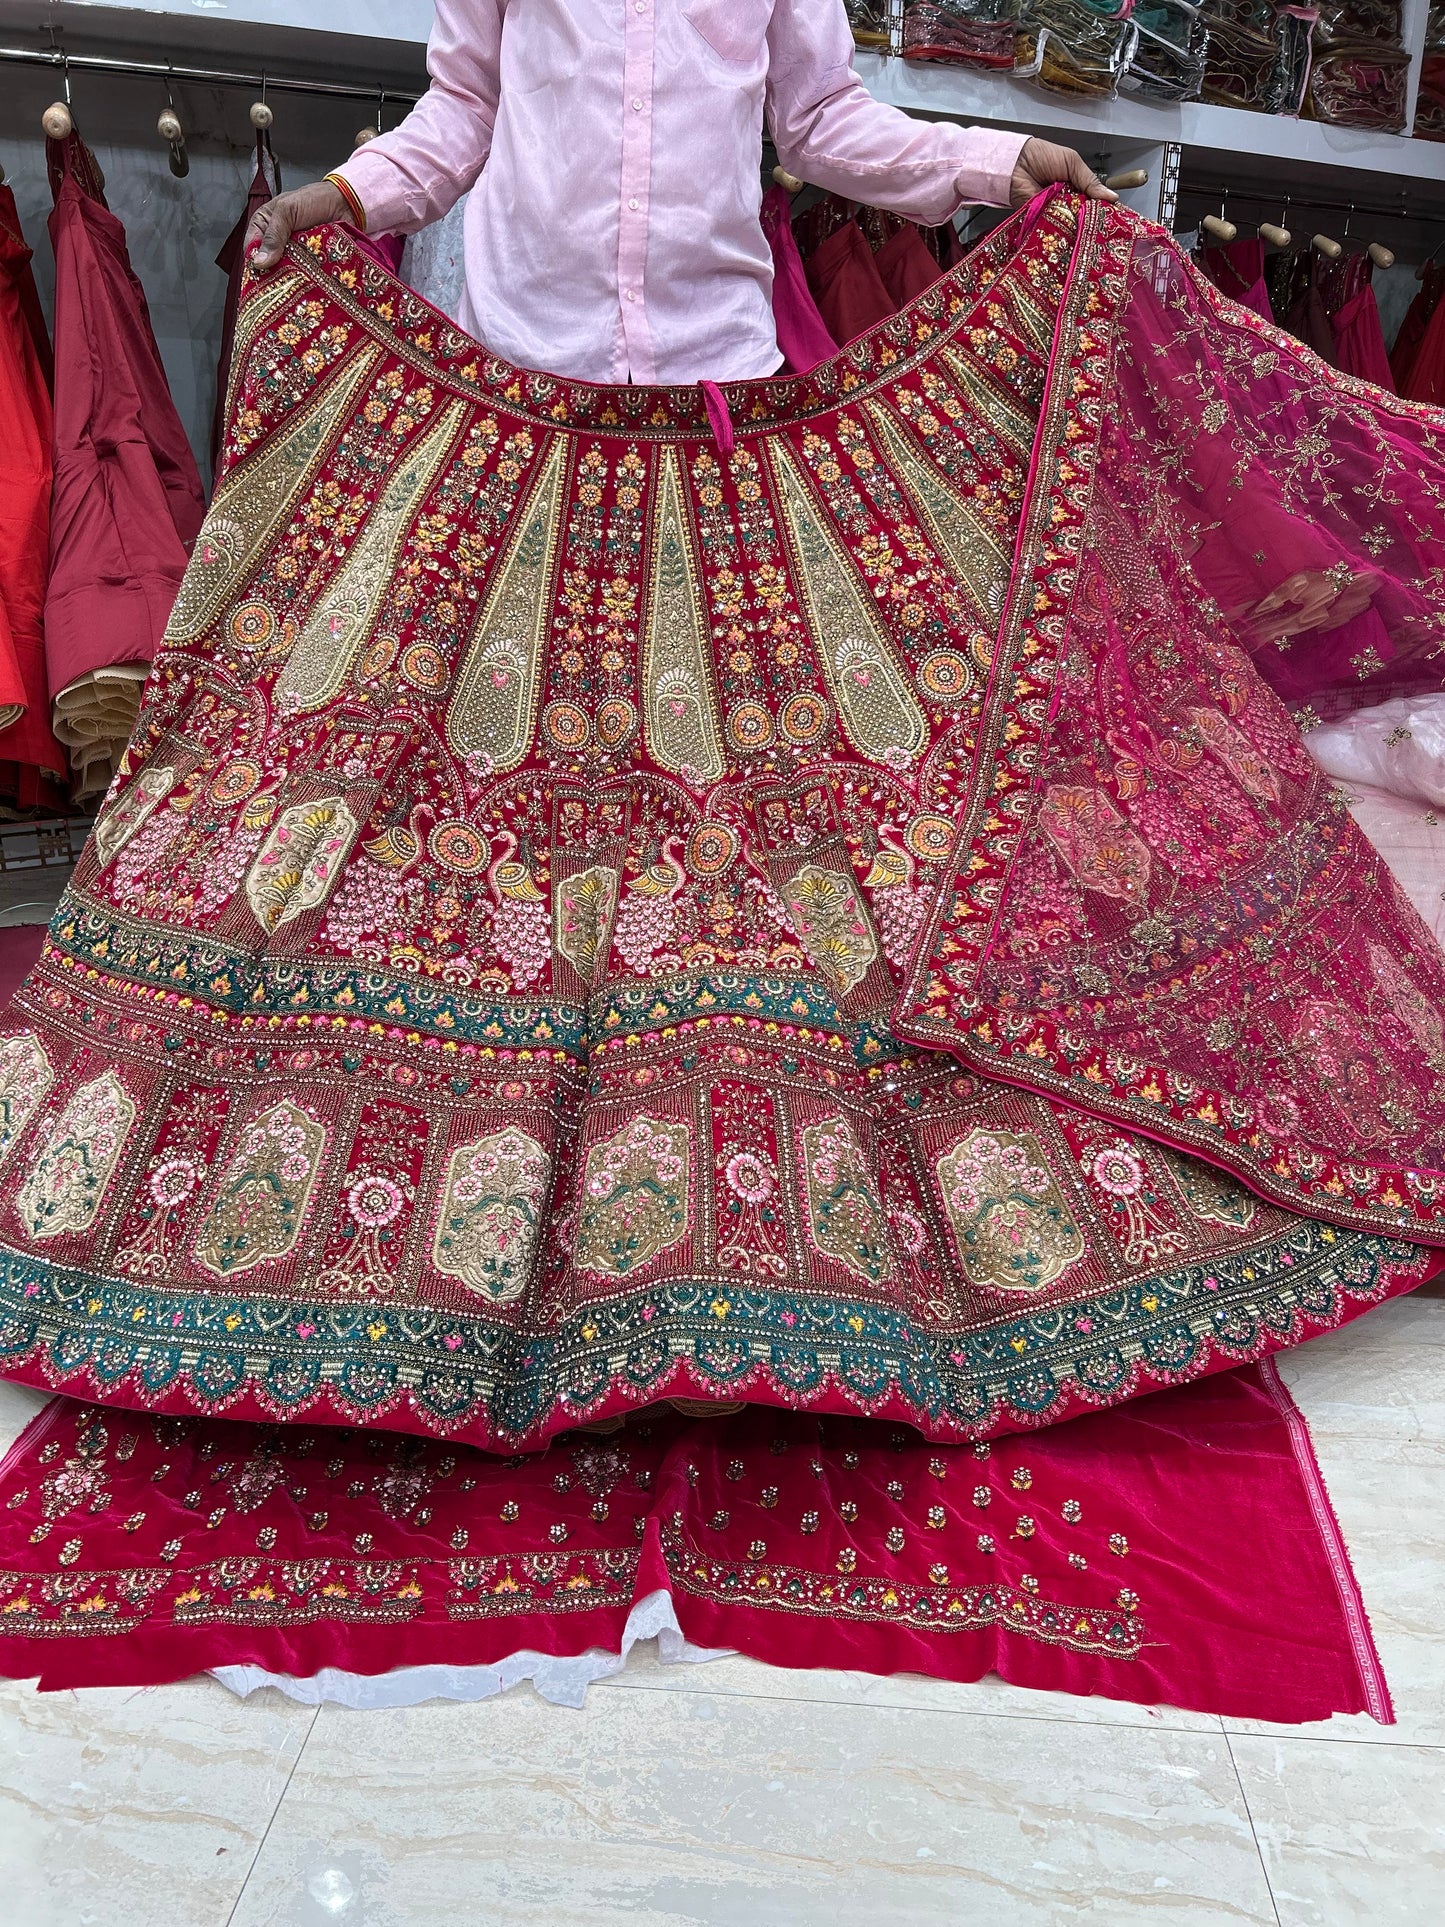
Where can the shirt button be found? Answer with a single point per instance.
(637, 106)
(633, 202)
(631, 294)
(642, 6)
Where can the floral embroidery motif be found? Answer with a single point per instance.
(1013, 1227)
(337, 629)
(132, 810)
(875, 705)
(25, 1077)
(81, 1150)
(635, 1201)
(829, 916)
(260, 1204)
(491, 1214)
(1094, 840)
(1118, 1170)
(492, 715)
(302, 855)
(679, 703)
(583, 906)
(845, 1219)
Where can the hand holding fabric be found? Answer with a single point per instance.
(288, 214)
(1041, 163)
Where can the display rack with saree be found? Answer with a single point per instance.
(803, 893)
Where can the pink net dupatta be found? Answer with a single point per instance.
(1160, 908)
(1180, 1549)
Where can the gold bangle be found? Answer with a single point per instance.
(348, 194)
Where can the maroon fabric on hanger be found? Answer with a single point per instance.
(31, 760)
(803, 339)
(231, 261)
(1309, 317)
(1360, 340)
(1238, 271)
(1426, 380)
(905, 265)
(127, 501)
(846, 284)
(1412, 328)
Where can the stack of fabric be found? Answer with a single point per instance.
(1360, 68)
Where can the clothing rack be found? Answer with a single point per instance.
(1377, 210)
(213, 76)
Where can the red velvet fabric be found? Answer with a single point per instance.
(19, 949)
(1180, 1550)
(843, 275)
(232, 261)
(905, 265)
(803, 338)
(127, 500)
(27, 743)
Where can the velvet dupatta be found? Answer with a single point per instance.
(843, 923)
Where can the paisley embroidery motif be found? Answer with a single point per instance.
(1094, 840)
(80, 1153)
(878, 711)
(980, 566)
(491, 1214)
(492, 714)
(255, 499)
(845, 1220)
(832, 923)
(1239, 756)
(132, 810)
(583, 907)
(634, 1197)
(1014, 1230)
(300, 860)
(25, 1077)
(679, 704)
(261, 1201)
(337, 628)
(1005, 415)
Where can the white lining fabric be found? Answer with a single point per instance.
(563, 1682)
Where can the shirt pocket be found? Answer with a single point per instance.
(734, 29)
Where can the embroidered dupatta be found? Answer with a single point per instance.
(586, 918)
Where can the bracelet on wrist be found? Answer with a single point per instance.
(349, 195)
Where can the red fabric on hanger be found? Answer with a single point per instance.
(1426, 381)
(1238, 271)
(127, 500)
(803, 338)
(905, 265)
(231, 261)
(1412, 328)
(1360, 340)
(846, 284)
(27, 745)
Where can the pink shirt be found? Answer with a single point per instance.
(614, 234)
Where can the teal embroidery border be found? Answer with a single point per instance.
(200, 1351)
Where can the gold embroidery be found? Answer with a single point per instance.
(582, 910)
(25, 1077)
(257, 496)
(492, 714)
(81, 1151)
(679, 704)
(254, 315)
(845, 1219)
(1008, 419)
(340, 621)
(1014, 1229)
(132, 810)
(877, 709)
(833, 924)
(634, 1196)
(981, 568)
(297, 864)
(261, 1202)
(491, 1214)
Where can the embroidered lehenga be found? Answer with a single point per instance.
(843, 924)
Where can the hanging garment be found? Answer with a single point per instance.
(1426, 379)
(1309, 312)
(843, 277)
(32, 763)
(265, 185)
(1238, 271)
(1412, 328)
(906, 265)
(588, 918)
(127, 499)
(1359, 338)
(1179, 1550)
(803, 339)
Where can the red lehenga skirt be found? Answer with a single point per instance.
(843, 922)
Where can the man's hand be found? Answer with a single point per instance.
(1041, 163)
(273, 225)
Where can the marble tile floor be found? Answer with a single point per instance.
(733, 1795)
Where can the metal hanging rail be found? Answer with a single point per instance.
(1377, 210)
(264, 83)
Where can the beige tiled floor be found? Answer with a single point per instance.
(732, 1795)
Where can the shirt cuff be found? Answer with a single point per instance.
(990, 159)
